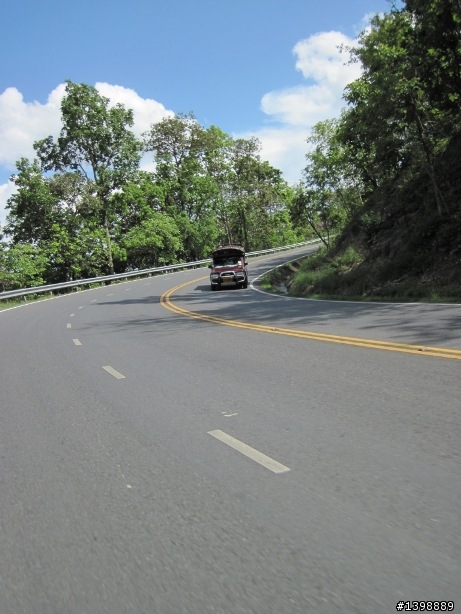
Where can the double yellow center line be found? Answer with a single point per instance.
(406, 348)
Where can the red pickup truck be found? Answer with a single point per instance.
(229, 267)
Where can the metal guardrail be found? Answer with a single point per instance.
(50, 288)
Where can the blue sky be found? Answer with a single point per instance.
(264, 68)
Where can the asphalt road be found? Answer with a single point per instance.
(233, 452)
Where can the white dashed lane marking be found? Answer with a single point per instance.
(245, 449)
(113, 372)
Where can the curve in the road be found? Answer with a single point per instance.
(435, 352)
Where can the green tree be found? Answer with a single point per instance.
(154, 241)
(331, 190)
(97, 143)
(255, 190)
(330, 169)
(30, 211)
(401, 114)
(22, 265)
(321, 210)
(281, 231)
(217, 188)
(148, 235)
(56, 214)
(187, 174)
(437, 33)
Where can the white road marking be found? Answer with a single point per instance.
(72, 315)
(243, 448)
(77, 342)
(94, 300)
(111, 294)
(69, 325)
(113, 372)
(81, 306)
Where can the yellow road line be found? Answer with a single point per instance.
(406, 348)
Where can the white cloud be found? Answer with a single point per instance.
(22, 123)
(300, 106)
(145, 110)
(320, 58)
(321, 62)
(284, 148)
(292, 112)
(6, 190)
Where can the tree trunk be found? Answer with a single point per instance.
(439, 199)
(110, 260)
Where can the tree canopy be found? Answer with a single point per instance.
(84, 206)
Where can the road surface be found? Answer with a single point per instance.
(169, 450)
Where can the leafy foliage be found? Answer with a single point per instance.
(86, 207)
(97, 144)
(380, 188)
(395, 153)
(21, 266)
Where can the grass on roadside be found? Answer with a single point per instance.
(17, 302)
(349, 276)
